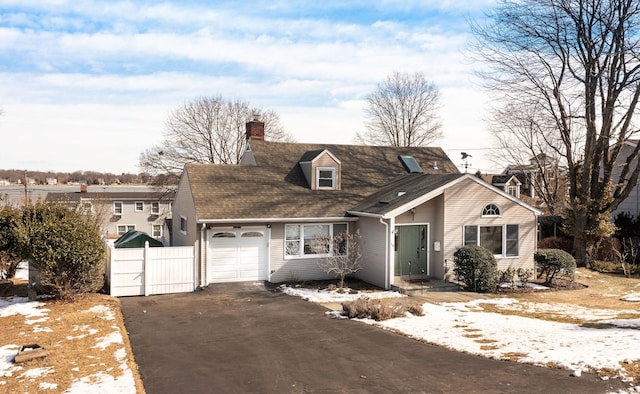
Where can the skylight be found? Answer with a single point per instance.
(391, 196)
(410, 164)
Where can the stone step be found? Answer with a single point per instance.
(426, 286)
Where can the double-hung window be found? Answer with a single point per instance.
(139, 206)
(123, 228)
(155, 207)
(325, 178)
(500, 240)
(117, 208)
(311, 240)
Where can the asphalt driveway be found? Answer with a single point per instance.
(250, 338)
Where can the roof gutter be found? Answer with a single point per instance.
(279, 220)
(367, 214)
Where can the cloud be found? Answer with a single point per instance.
(108, 63)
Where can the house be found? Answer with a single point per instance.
(631, 204)
(508, 183)
(531, 182)
(144, 210)
(413, 208)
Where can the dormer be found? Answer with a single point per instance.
(321, 169)
(508, 183)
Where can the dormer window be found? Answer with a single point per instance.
(321, 169)
(325, 178)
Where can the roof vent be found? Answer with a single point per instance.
(410, 164)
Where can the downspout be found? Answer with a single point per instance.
(387, 283)
(203, 239)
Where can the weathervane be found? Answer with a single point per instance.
(465, 157)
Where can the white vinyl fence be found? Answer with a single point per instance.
(147, 271)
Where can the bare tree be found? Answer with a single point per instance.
(207, 130)
(343, 254)
(525, 140)
(578, 62)
(403, 111)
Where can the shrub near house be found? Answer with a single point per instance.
(554, 262)
(65, 245)
(477, 268)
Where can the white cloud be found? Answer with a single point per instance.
(116, 68)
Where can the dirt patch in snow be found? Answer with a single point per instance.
(589, 289)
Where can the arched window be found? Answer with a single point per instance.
(491, 210)
(252, 234)
(224, 234)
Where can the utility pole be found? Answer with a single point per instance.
(26, 192)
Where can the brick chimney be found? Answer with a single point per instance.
(255, 129)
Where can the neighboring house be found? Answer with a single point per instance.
(257, 220)
(507, 183)
(631, 205)
(121, 211)
(524, 181)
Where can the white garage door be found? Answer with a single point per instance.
(237, 255)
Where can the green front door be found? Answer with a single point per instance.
(411, 251)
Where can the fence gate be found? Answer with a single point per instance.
(147, 271)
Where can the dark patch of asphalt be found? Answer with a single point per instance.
(251, 338)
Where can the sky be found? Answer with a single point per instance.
(88, 85)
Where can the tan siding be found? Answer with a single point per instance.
(325, 160)
(464, 203)
(373, 248)
(431, 213)
(291, 269)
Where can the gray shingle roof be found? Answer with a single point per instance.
(276, 187)
(140, 196)
(402, 191)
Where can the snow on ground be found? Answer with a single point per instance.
(95, 383)
(467, 327)
(325, 296)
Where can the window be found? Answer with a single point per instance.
(156, 231)
(252, 234)
(470, 235)
(117, 208)
(139, 206)
(86, 206)
(123, 228)
(183, 225)
(513, 190)
(224, 234)
(155, 207)
(491, 238)
(500, 240)
(299, 239)
(325, 178)
(512, 240)
(491, 210)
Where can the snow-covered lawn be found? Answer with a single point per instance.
(598, 341)
(37, 320)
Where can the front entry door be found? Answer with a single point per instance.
(411, 251)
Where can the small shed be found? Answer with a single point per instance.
(136, 239)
